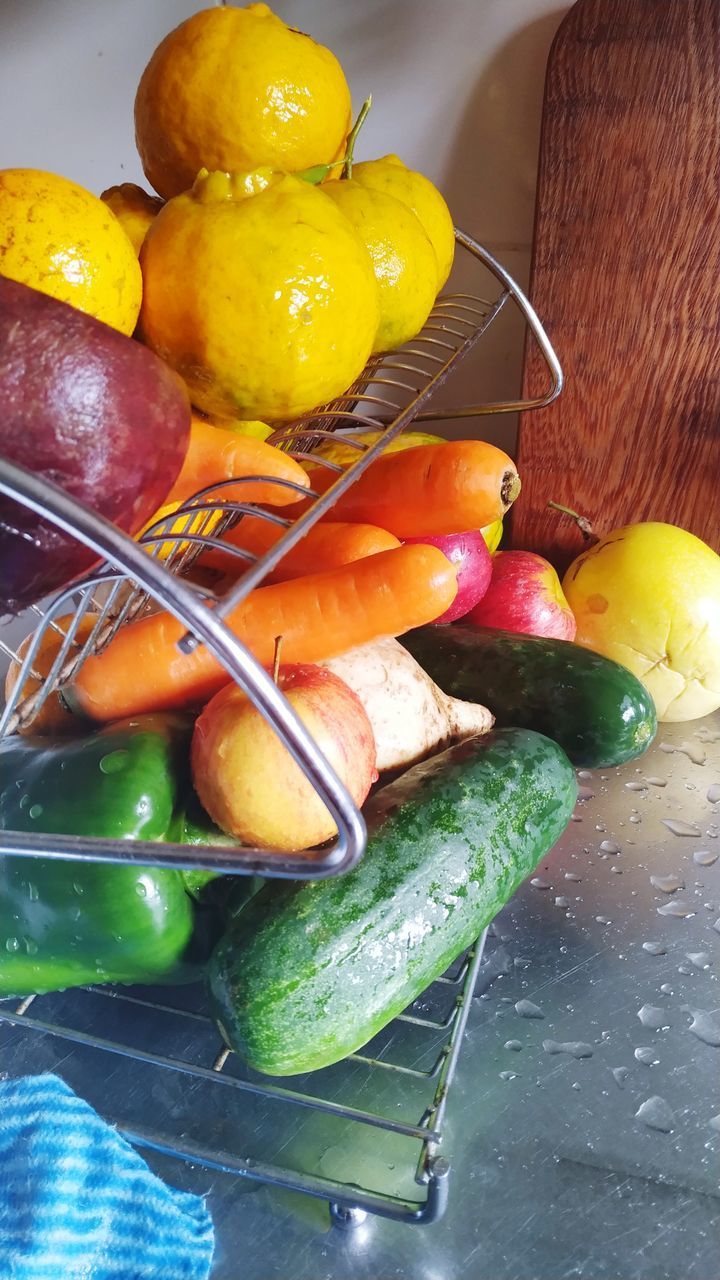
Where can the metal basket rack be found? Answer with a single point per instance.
(159, 570)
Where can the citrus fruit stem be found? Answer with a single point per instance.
(352, 137)
(317, 173)
(582, 522)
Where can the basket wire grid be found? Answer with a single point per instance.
(135, 576)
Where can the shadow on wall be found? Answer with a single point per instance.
(490, 183)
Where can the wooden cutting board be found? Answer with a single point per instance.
(626, 275)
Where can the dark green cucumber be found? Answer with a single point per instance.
(309, 972)
(598, 711)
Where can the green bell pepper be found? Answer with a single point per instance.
(65, 923)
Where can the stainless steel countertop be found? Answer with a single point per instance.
(583, 1128)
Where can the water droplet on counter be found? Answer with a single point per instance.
(716, 925)
(646, 1055)
(700, 959)
(667, 747)
(679, 828)
(115, 761)
(651, 1016)
(585, 774)
(706, 734)
(527, 1009)
(514, 1045)
(636, 786)
(12, 944)
(635, 817)
(620, 1075)
(508, 1075)
(705, 1027)
(666, 989)
(683, 968)
(667, 884)
(562, 902)
(705, 857)
(600, 826)
(576, 1048)
(584, 794)
(602, 920)
(656, 1113)
(538, 883)
(713, 831)
(715, 1123)
(610, 846)
(713, 793)
(570, 875)
(693, 751)
(35, 810)
(676, 908)
(654, 948)
(657, 782)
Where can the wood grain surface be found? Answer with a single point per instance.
(626, 275)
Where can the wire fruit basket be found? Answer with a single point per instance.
(133, 577)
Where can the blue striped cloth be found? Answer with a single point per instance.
(77, 1202)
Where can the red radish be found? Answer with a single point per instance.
(469, 552)
(525, 596)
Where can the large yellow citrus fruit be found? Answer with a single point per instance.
(234, 89)
(402, 256)
(62, 240)
(343, 454)
(415, 190)
(648, 595)
(492, 533)
(134, 210)
(259, 293)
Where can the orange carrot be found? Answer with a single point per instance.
(325, 546)
(318, 616)
(215, 454)
(433, 489)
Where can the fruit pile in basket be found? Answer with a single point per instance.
(271, 266)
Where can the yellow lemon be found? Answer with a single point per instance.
(134, 210)
(203, 523)
(259, 293)
(236, 88)
(62, 240)
(343, 454)
(415, 190)
(402, 256)
(648, 595)
(244, 427)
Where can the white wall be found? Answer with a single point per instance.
(457, 89)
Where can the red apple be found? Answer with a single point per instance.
(469, 552)
(524, 595)
(247, 779)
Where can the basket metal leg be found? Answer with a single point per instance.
(345, 1217)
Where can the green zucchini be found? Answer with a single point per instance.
(308, 972)
(597, 710)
